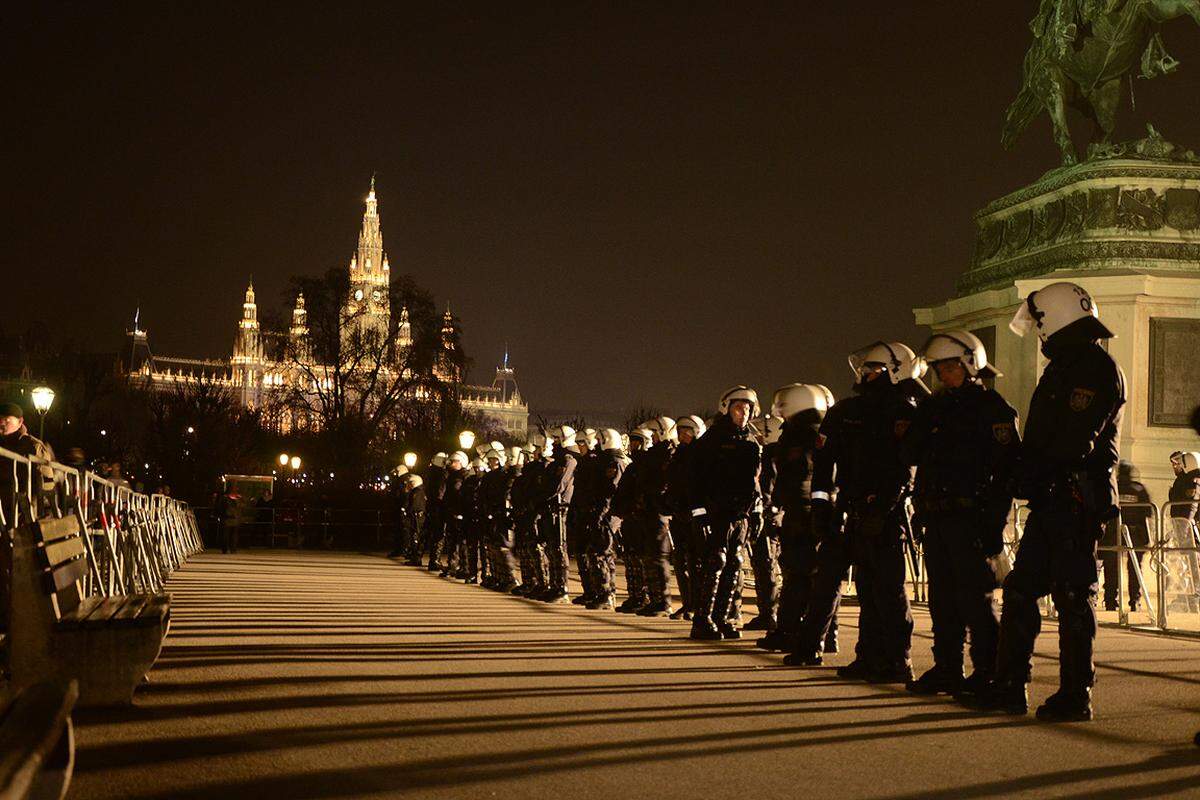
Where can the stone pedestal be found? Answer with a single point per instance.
(1128, 231)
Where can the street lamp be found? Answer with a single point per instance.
(295, 462)
(283, 459)
(465, 440)
(410, 460)
(43, 398)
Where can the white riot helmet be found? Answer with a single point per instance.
(625, 442)
(413, 480)
(439, 460)
(496, 452)
(662, 428)
(563, 435)
(897, 359)
(738, 392)
(1190, 461)
(516, 456)
(643, 435)
(964, 346)
(401, 471)
(1055, 307)
(796, 398)
(587, 436)
(478, 465)
(482, 450)
(610, 439)
(460, 457)
(690, 422)
(768, 428)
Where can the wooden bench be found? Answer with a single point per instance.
(107, 644)
(37, 743)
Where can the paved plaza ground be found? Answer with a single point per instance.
(291, 674)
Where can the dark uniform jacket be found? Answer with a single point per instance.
(453, 504)
(651, 483)
(794, 462)
(415, 502)
(587, 485)
(964, 443)
(1186, 487)
(860, 436)
(678, 469)
(556, 483)
(626, 500)
(1070, 446)
(611, 465)
(495, 494)
(725, 468)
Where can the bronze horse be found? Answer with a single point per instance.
(1081, 53)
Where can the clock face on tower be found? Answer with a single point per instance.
(375, 295)
(358, 295)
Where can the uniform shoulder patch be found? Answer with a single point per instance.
(1002, 432)
(1081, 399)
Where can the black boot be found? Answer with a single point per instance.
(937, 680)
(777, 642)
(1067, 706)
(972, 687)
(760, 623)
(898, 672)
(1009, 697)
(803, 660)
(856, 670)
(831, 642)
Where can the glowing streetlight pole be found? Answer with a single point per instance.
(465, 440)
(43, 398)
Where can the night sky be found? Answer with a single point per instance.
(648, 202)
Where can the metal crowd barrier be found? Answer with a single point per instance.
(134, 541)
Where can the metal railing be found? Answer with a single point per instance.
(133, 541)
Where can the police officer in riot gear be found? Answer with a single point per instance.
(586, 484)
(529, 551)
(686, 548)
(452, 506)
(765, 522)
(626, 506)
(724, 491)
(555, 489)
(802, 407)
(964, 444)
(435, 523)
(495, 492)
(859, 441)
(655, 520)
(1067, 472)
(414, 511)
(599, 526)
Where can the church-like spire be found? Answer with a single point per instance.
(370, 256)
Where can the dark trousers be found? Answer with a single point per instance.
(552, 529)
(797, 568)
(962, 584)
(600, 555)
(1057, 557)
(434, 535)
(885, 622)
(764, 558)
(500, 536)
(452, 541)
(724, 542)
(229, 537)
(530, 554)
(632, 545)
(686, 558)
(656, 556)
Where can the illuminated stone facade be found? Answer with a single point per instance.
(253, 375)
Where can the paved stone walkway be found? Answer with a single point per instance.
(315, 675)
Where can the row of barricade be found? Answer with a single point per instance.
(132, 542)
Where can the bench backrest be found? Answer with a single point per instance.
(63, 559)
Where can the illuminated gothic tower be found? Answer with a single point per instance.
(369, 274)
(247, 351)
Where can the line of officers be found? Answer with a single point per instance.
(817, 486)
